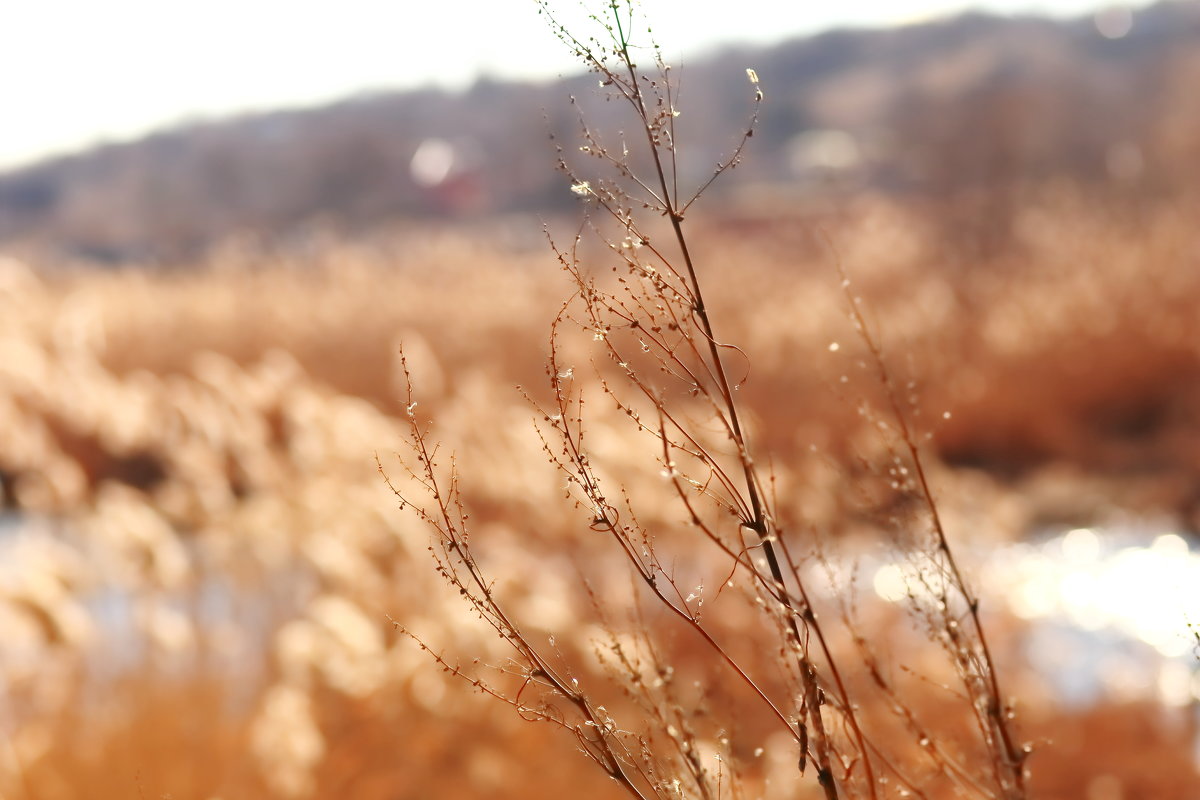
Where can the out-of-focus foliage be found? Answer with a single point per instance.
(200, 563)
(207, 561)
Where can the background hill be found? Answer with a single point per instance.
(938, 112)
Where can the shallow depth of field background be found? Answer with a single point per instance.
(199, 338)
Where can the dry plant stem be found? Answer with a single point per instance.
(1009, 768)
(839, 687)
(687, 755)
(756, 516)
(449, 519)
(607, 521)
(759, 521)
(951, 765)
(695, 448)
(666, 315)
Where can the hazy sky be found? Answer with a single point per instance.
(74, 72)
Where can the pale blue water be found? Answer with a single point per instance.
(1107, 610)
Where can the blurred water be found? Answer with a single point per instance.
(58, 590)
(1142, 586)
(1109, 610)
(1113, 611)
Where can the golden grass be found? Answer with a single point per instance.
(205, 612)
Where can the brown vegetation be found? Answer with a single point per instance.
(200, 444)
(207, 570)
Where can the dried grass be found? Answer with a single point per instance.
(208, 563)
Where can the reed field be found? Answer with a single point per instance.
(205, 564)
(751, 499)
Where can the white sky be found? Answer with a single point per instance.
(75, 72)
